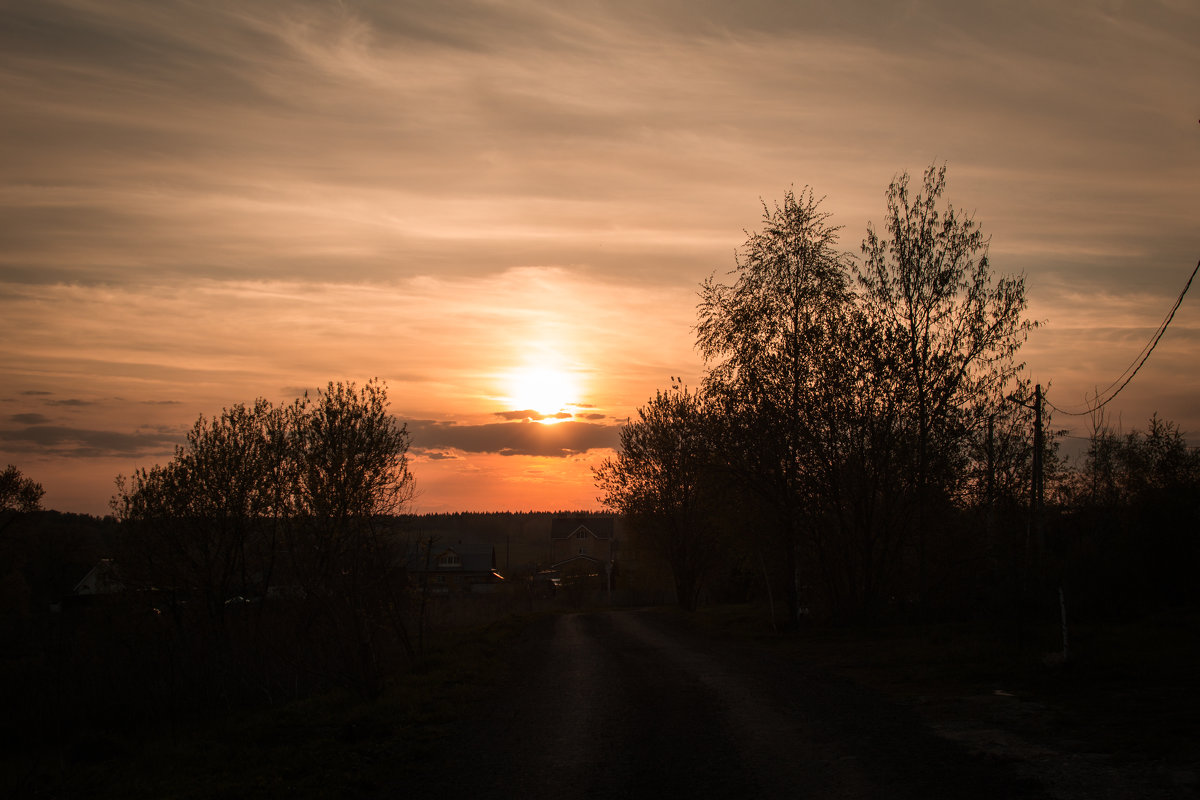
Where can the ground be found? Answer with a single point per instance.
(641, 703)
(634, 703)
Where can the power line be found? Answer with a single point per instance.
(1143, 356)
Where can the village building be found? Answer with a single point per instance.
(583, 550)
(458, 568)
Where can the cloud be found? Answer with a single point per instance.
(72, 402)
(29, 419)
(530, 414)
(524, 438)
(434, 455)
(591, 416)
(519, 415)
(82, 443)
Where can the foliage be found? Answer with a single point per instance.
(18, 494)
(949, 333)
(1126, 537)
(19, 497)
(270, 505)
(206, 524)
(663, 482)
(859, 407)
(349, 458)
(776, 341)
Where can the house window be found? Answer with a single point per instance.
(583, 551)
(581, 534)
(449, 560)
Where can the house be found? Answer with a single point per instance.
(587, 537)
(453, 568)
(583, 549)
(101, 579)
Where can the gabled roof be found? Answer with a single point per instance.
(101, 579)
(581, 557)
(474, 557)
(567, 527)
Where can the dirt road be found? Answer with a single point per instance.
(629, 704)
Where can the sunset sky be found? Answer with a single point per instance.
(498, 207)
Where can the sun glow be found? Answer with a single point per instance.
(543, 390)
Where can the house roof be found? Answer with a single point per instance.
(566, 527)
(580, 557)
(101, 579)
(473, 557)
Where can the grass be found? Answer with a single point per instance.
(332, 745)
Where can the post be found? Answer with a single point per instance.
(1062, 607)
(991, 462)
(1039, 480)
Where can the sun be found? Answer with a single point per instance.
(544, 390)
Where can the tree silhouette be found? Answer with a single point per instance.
(664, 482)
(19, 494)
(773, 341)
(301, 488)
(949, 331)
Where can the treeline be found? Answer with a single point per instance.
(521, 538)
(1123, 530)
(863, 445)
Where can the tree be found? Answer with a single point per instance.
(305, 484)
(207, 523)
(1133, 506)
(663, 482)
(951, 331)
(18, 494)
(859, 401)
(351, 473)
(774, 343)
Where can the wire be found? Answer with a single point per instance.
(1143, 356)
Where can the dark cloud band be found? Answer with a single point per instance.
(82, 443)
(524, 438)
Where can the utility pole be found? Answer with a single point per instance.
(1039, 469)
(991, 462)
(1037, 483)
(1038, 502)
